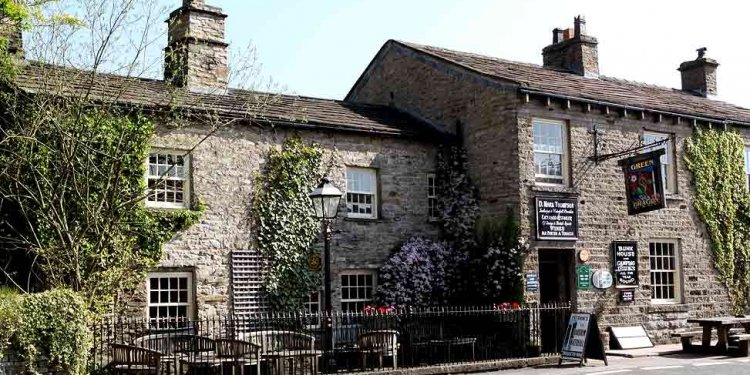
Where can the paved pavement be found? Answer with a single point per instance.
(674, 364)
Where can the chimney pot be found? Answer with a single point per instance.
(579, 23)
(699, 76)
(557, 35)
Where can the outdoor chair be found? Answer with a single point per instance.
(381, 343)
(280, 348)
(128, 359)
(241, 352)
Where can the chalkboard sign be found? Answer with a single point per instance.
(627, 295)
(556, 218)
(582, 340)
(625, 258)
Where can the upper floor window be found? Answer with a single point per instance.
(432, 210)
(170, 299)
(550, 159)
(747, 167)
(361, 193)
(668, 176)
(168, 179)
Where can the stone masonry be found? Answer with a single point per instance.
(496, 129)
(223, 171)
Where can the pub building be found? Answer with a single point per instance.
(591, 165)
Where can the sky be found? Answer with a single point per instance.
(319, 48)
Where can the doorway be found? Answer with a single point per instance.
(556, 285)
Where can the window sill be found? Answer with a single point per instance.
(674, 197)
(166, 208)
(553, 189)
(666, 307)
(364, 220)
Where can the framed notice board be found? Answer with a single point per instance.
(625, 264)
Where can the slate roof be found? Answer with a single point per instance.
(605, 89)
(286, 110)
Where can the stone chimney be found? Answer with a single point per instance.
(573, 51)
(699, 75)
(196, 54)
(10, 31)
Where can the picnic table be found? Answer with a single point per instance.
(722, 326)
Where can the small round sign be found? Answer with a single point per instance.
(584, 255)
(314, 262)
(601, 279)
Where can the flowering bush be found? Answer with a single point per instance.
(379, 309)
(507, 306)
(420, 273)
(499, 265)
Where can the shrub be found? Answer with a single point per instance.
(9, 316)
(50, 325)
(420, 273)
(497, 266)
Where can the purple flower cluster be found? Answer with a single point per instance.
(420, 273)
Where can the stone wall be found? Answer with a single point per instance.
(454, 99)
(603, 218)
(223, 171)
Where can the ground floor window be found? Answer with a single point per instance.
(312, 304)
(665, 271)
(170, 299)
(357, 288)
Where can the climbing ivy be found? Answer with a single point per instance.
(716, 161)
(285, 223)
(457, 203)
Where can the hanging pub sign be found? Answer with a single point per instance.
(625, 258)
(556, 218)
(643, 182)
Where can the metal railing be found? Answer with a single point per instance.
(294, 342)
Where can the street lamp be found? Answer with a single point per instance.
(326, 200)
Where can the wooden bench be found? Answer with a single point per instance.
(686, 338)
(743, 343)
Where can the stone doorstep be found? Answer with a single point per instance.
(479, 366)
(656, 351)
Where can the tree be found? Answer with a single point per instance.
(72, 149)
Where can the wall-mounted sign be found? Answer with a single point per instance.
(583, 276)
(532, 281)
(584, 255)
(602, 279)
(625, 267)
(556, 218)
(627, 295)
(313, 262)
(643, 182)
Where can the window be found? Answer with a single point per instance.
(361, 193)
(550, 162)
(432, 210)
(356, 290)
(312, 304)
(747, 167)
(664, 270)
(668, 177)
(168, 179)
(170, 299)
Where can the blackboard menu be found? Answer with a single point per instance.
(625, 257)
(556, 218)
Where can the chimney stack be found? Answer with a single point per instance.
(699, 75)
(10, 32)
(573, 51)
(196, 55)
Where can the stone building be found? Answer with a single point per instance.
(540, 132)
(533, 134)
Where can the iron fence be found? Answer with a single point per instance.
(298, 342)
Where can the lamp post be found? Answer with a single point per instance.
(326, 198)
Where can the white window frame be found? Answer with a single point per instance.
(676, 271)
(186, 179)
(564, 156)
(308, 303)
(349, 299)
(374, 194)
(668, 172)
(190, 305)
(747, 167)
(432, 199)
